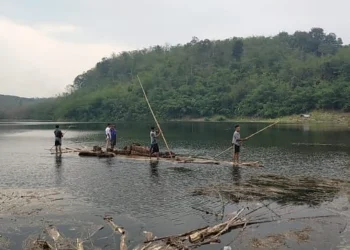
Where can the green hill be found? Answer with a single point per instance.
(257, 77)
(12, 107)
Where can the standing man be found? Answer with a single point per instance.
(58, 139)
(113, 137)
(154, 144)
(108, 136)
(236, 142)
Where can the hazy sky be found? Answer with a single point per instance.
(45, 44)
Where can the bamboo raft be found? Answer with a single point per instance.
(141, 153)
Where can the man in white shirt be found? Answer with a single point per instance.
(108, 136)
(154, 149)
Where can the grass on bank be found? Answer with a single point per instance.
(326, 117)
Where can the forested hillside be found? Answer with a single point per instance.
(11, 106)
(256, 76)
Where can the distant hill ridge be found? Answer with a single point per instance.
(260, 77)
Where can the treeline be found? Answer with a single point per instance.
(256, 76)
(13, 106)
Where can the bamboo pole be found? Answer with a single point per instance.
(246, 138)
(261, 130)
(154, 117)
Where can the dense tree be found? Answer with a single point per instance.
(237, 49)
(256, 76)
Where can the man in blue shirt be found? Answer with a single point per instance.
(113, 132)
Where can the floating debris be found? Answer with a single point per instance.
(297, 190)
(275, 241)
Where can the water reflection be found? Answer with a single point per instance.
(154, 169)
(58, 168)
(236, 175)
(58, 160)
(109, 162)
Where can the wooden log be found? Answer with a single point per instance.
(256, 164)
(140, 149)
(139, 153)
(96, 149)
(96, 154)
(106, 155)
(118, 229)
(88, 153)
(216, 230)
(121, 152)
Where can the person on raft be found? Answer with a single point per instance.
(108, 136)
(154, 145)
(236, 142)
(113, 137)
(58, 139)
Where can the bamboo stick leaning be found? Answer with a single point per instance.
(154, 117)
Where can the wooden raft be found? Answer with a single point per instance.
(137, 152)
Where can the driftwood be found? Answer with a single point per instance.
(186, 241)
(282, 189)
(118, 229)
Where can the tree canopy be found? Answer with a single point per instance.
(255, 76)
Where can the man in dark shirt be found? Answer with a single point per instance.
(236, 143)
(58, 139)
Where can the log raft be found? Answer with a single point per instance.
(138, 152)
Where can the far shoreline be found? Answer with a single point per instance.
(335, 118)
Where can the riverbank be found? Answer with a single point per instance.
(322, 117)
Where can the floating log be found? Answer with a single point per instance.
(98, 154)
(248, 164)
(96, 149)
(317, 144)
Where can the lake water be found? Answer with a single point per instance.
(143, 195)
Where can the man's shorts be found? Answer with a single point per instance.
(237, 148)
(154, 148)
(58, 143)
(113, 142)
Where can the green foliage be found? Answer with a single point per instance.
(256, 76)
(13, 107)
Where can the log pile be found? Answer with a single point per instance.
(137, 149)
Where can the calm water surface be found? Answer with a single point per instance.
(156, 197)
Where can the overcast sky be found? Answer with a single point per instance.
(45, 44)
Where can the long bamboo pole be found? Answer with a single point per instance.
(246, 138)
(154, 117)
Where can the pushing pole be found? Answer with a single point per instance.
(246, 138)
(154, 117)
